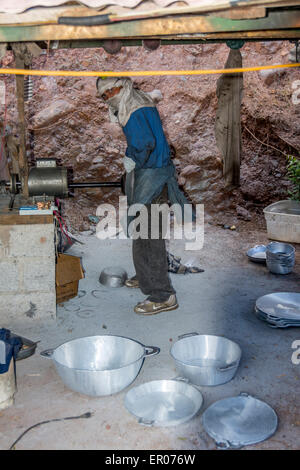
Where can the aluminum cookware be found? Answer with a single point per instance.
(257, 254)
(239, 421)
(113, 276)
(205, 359)
(280, 309)
(99, 365)
(280, 257)
(280, 304)
(27, 349)
(164, 402)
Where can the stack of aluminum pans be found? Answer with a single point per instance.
(280, 257)
(280, 309)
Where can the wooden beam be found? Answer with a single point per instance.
(228, 119)
(12, 146)
(241, 13)
(19, 52)
(16, 219)
(96, 43)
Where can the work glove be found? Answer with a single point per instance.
(129, 164)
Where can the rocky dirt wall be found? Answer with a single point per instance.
(67, 121)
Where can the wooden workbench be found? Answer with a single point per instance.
(12, 217)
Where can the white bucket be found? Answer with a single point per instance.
(283, 221)
(7, 387)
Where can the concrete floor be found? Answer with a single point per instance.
(219, 301)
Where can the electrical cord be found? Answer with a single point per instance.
(62, 225)
(85, 415)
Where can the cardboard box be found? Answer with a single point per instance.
(68, 273)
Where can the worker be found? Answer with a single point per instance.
(150, 179)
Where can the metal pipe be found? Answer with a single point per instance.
(94, 184)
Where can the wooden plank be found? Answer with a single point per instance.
(16, 219)
(205, 39)
(228, 119)
(271, 35)
(241, 13)
(23, 164)
(12, 145)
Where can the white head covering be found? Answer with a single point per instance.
(128, 100)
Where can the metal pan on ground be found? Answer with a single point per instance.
(239, 421)
(28, 347)
(280, 305)
(275, 322)
(257, 254)
(164, 402)
(99, 365)
(206, 360)
(273, 318)
(113, 276)
(284, 325)
(262, 316)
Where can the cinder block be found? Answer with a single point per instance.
(38, 274)
(9, 275)
(32, 240)
(24, 308)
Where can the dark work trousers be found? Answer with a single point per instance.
(151, 263)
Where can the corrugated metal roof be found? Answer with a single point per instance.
(19, 6)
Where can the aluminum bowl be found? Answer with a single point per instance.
(113, 276)
(164, 402)
(99, 365)
(205, 359)
(257, 254)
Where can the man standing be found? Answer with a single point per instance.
(150, 179)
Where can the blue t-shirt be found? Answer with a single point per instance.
(146, 141)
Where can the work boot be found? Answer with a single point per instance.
(151, 308)
(132, 282)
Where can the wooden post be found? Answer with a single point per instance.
(4, 173)
(19, 52)
(12, 146)
(228, 119)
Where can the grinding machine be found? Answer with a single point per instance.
(47, 181)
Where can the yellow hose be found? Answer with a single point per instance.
(71, 73)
